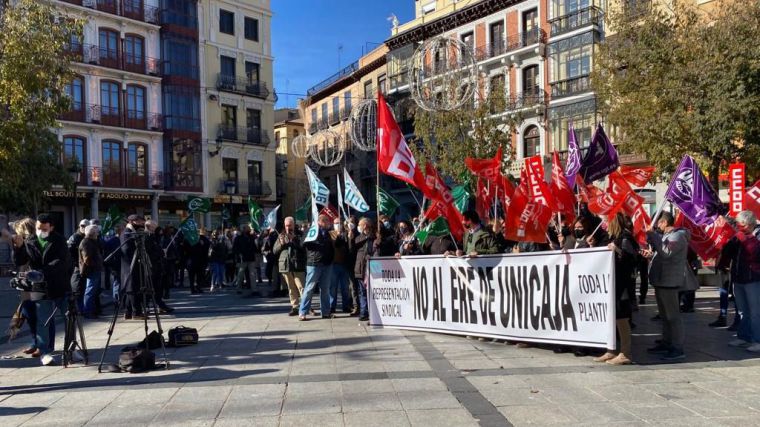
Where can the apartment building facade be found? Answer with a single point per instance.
(292, 186)
(237, 105)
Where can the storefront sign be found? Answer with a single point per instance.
(548, 297)
(124, 196)
(63, 194)
(736, 179)
(222, 200)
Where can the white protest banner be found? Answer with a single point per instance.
(311, 234)
(354, 197)
(548, 297)
(319, 191)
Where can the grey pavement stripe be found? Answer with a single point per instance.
(466, 393)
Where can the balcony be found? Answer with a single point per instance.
(94, 54)
(245, 187)
(243, 135)
(118, 178)
(242, 85)
(591, 15)
(569, 87)
(184, 181)
(525, 39)
(519, 101)
(113, 116)
(132, 9)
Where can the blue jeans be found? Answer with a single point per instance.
(316, 275)
(747, 297)
(339, 280)
(363, 306)
(217, 273)
(29, 311)
(45, 333)
(91, 292)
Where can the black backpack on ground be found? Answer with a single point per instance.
(135, 360)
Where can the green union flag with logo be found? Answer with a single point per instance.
(190, 231)
(113, 217)
(439, 227)
(386, 204)
(255, 212)
(198, 204)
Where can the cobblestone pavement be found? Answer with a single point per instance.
(257, 366)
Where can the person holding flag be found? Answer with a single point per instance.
(291, 259)
(319, 257)
(477, 240)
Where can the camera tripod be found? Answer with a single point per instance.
(73, 326)
(141, 269)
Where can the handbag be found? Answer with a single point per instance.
(180, 336)
(135, 360)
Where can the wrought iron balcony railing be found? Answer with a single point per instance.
(569, 87)
(591, 15)
(245, 187)
(242, 85)
(113, 116)
(245, 135)
(97, 55)
(118, 177)
(132, 9)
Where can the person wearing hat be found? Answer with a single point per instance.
(45, 252)
(131, 282)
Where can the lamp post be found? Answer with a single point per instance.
(75, 171)
(229, 189)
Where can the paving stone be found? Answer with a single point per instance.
(441, 417)
(428, 400)
(249, 421)
(514, 396)
(375, 419)
(418, 384)
(630, 393)
(718, 407)
(544, 414)
(361, 402)
(656, 412)
(312, 404)
(249, 408)
(301, 420)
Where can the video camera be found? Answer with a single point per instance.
(32, 281)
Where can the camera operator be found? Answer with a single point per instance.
(156, 255)
(46, 252)
(90, 268)
(130, 278)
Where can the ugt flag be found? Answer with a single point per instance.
(319, 190)
(752, 199)
(600, 159)
(393, 155)
(353, 197)
(692, 193)
(271, 220)
(313, 232)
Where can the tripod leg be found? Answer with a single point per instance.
(149, 296)
(160, 330)
(117, 307)
(83, 345)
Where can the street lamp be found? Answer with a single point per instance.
(229, 189)
(75, 171)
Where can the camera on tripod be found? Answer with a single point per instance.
(31, 281)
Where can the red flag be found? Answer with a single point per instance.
(609, 201)
(483, 200)
(393, 155)
(330, 211)
(527, 218)
(488, 169)
(437, 190)
(637, 176)
(561, 192)
(433, 211)
(752, 199)
(538, 190)
(707, 240)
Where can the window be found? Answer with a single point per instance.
(583, 118)
(227, 66)
(111, 163)
(381, 83)
(428, 8)
(469, 40)
(347, 101)
(566, 7)
(254, 177)
(252, 72)
(74, 150)
(335, 105)
(229, 116)
(498, 94)
(134, 51)
(530, 27)
(75, 92)
(324, 111)
(572, 57)
(253, 118)
(135, 102)
(532, 140)
(530, 81)
(314, 116)
(108, 53)
(181, 108)
(496, 32)
(251, 29)
(230, 171)
(110, 110)
(368, 90)
(295, 133)
(137, 161)
(226, 22)
(277, 137)
(181, 57)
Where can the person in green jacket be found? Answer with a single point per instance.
(477, 240)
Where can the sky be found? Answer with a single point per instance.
(306, 35)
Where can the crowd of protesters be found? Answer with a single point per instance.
(335, 262)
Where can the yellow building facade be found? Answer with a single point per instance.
(292, 186)
(237, 105)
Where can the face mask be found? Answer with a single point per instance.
(565, 231)
(351, 226)
(337, 227)
(386, 224)
(402, 229)
(416, 224)
(43, 234)
(579, 233)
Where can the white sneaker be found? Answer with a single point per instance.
(212, 289)
(738, 343)
(755, 348)
(47, 360)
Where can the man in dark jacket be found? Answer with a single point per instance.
(291, 260)
(197, 257)
(131, 278)
(339, 268)
(90, 267)
(156, 256)
(244, 249)
(319, 256)
(477, 240)
(47, 253)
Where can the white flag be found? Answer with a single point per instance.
(319, 191)
(340, 196)
(271, 219)
(311, 235)
(353, 196)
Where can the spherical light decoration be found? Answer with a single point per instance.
(363, 125)
(443, 74)
(327, 148)
(300, 146)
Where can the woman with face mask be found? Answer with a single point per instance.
(407, 241)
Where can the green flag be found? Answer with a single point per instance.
(255, 211)
(190, 231)
(113, 217)
(439, 227)
(461, 196)
(198, 204)
(387, 205)
(302, 213)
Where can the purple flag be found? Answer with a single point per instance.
(693, 194)
(573, 157)
(601, 159)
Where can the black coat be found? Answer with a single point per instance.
(245, 248)
(197, 254)
(218, 251)
(130, 282)
(319, 251)
(438, 245)
(54, 262)
(362, 247)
